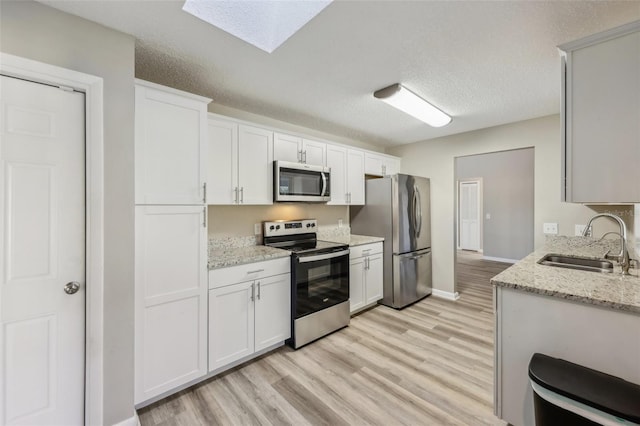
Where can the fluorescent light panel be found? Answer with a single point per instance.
(265, 24)
(406, 101)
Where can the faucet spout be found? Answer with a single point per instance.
(623, 257)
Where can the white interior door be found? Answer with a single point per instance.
(42, 230)
(469, 215)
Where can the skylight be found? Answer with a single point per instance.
(266, 24)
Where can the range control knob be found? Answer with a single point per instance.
(313, 225)
(277, 227)
(308, 225)
(272, 227)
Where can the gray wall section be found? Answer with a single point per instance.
(508, 195)
(38, 32)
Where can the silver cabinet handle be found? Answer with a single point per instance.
(204, 193)
(300, 156)
(242, 195)
(204, 214)
(72, 287)
(255, 271)
(305, 157)
(235, 200)
(258, 290)
(253, 292)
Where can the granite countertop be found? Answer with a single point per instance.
(354, 240)
(231, 256)
(602, 289)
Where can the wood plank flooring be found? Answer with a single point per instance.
(428, 364)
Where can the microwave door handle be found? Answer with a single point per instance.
(324, 184)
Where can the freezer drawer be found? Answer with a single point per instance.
(411, 277)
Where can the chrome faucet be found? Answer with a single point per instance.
(623, 257)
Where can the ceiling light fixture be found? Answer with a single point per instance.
(406, 101)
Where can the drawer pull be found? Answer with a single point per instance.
(255, 272)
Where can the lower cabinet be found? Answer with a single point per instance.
(248, 310)
(170, 298)
(365, 276)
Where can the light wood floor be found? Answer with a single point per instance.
(428, 364)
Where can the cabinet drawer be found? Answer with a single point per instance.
(251, 271)
(365, 250)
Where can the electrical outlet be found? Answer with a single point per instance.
(550, 228)
(257, 228)
(339, 223)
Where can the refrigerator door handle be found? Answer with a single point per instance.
(418, 211)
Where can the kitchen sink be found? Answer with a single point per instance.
(579, 263)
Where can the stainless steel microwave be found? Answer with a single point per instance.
(301, 182)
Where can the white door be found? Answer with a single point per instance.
(171, 298)
(286, 148)
(337, 161)
(231, 322)
(469, 215)
(222, 162)
(42, 230)
(272, 310)
(255, 165)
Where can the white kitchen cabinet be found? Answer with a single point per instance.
(347, 175)
(249, 310)
(170, 298)
(170, 145)
(380, 165)
(602, 338)
(365, 276)
(298, 150)
(600, 116)
(240, 163)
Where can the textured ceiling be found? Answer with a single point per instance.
(484, 63)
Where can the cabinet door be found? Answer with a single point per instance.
(391, 166)
(356, 284)
(337, 161)
(315, 153)
(222, 162)
(170, 298)
(170, 147)
(373, 279)
(355, 177)
(272, 310)
(255, 165)
(602, 102)
(231, 324)
(287, 148)
(373, 164)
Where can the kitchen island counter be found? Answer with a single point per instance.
(610, 290)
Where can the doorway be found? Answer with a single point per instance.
(469, 214)
(90, 401)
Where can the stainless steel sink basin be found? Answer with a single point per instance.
(579, 263)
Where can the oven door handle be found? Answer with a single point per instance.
(313, 258)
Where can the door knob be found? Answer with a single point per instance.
(72, 287)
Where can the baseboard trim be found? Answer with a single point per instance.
(445, 294)
(131, 421)
(500, 259)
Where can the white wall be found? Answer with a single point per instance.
(435, 159)
(38, 32)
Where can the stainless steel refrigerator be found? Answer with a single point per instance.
(398, 209)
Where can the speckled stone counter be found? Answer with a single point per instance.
(355, 240)
(602, 289)
(223, 257)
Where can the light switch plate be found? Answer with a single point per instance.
(550, 228)
(257, 229)
(339, 223)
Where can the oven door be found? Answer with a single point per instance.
(301, 182)
(320, 281)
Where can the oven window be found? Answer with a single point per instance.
(300, 182)
(320, 284)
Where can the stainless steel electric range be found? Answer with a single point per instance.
(319, 279)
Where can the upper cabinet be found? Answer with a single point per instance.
(380, 165)
(347, 175)
(601, 117)
(239, 164)
(298, 150)
(170, 145)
